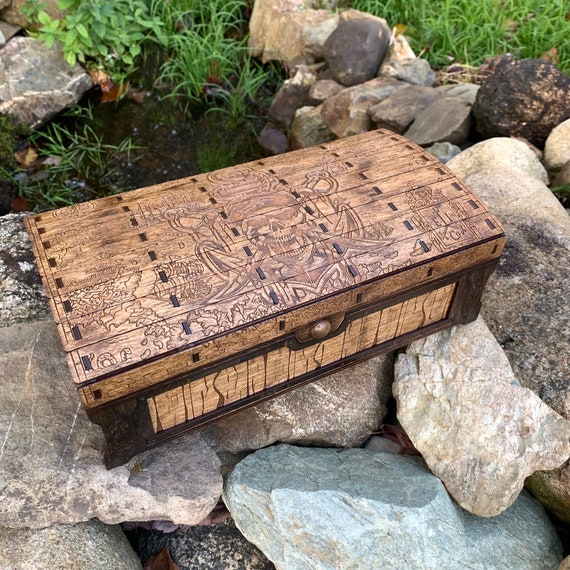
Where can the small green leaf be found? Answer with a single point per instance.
(71, 58)
(65, 4)
(44, 18)
(82, 31)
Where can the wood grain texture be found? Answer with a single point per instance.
(229, 385)
(176, 267)
(160, 283)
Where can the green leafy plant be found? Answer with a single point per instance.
(71, 165)
(208, 56)
(105, 34)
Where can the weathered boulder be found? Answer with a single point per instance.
(340, 410)
(398, 50)
(411, 70)
(500, 153)
(346, 113)
(355, 49)
(446, 119)
(557, 147)
(308, 508)
(525, 303)
(284, 30)
(86, 545)
(524, 99)
(308, 128)
(22, 296)
(466, 91)
(51, 471)
(36, 83)
(399, 110)
(478, 430)
(273, 139)
(323, 89)
(294, 93)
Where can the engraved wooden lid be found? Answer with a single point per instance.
(140, 275)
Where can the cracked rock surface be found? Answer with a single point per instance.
(478, 430)
(51, 469)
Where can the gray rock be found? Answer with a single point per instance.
(500, 153)
(51, 470)
(346, 113)
(85, 546)
(478, 430)
(214, 547)
(323, 89)
(399, 110)
(294, 93)
(525, 99)
(447, 119)
(411, 70)
(320, 508)
(465, 91)
(340, 410)
(8, 31)
(39, 83)
(308, 128)
(22, 296)
(444, 152)
(273, 139)
(557, 147)
(356, 47)
(526, 304)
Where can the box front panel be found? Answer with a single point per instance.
(233, 384)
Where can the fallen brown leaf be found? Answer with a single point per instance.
(25, 157)
(551, 55)
(161, 561)
(19, 204)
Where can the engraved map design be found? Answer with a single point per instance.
(135, 276)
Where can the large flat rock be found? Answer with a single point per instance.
(316, 509)
(51, 469)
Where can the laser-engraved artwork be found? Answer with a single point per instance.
(186, 300)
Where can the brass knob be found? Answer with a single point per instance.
(321, 329)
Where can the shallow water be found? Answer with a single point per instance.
(175, 144)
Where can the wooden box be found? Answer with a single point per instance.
(188, 300)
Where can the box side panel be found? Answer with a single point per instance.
(230, 385)
(107, 356)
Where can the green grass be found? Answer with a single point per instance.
(71, 163)
(465, 31)
(208, 59)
